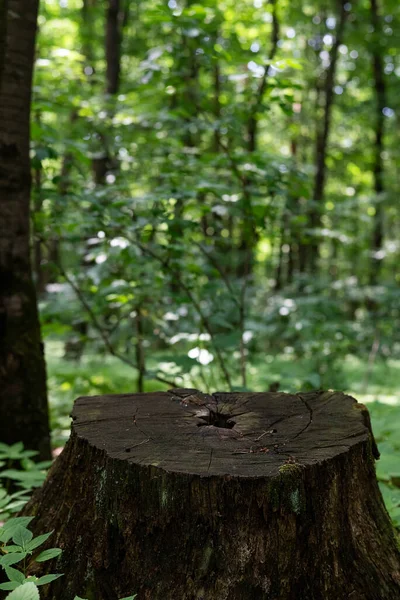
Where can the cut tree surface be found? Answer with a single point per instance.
(233, 496)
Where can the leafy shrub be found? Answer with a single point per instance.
(17, 543)
(18, 470)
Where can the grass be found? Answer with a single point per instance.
(376, 385)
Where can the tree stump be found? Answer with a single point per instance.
(242, 496)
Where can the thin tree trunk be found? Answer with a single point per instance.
(115, 19)
(279, 274)
(379, 187)
(217, 104)
(322, 138)
(139, 349)
(23, 395)
(249, 233)
(113, 45)
(87, 35)
(188, 66)
(288, 233)
(67, 164)
(291, 262)
(303, 238)
(40, 274)
(333, 267)
(294, 208)
(252, 124)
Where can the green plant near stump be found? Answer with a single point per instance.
(19, 476)
(17, 543)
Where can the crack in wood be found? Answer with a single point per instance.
(209, 462)
(136, 445)
(310, 410)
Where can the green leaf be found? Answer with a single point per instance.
(48, 578)
(129, 597)
(388, 466)
(27, 591)
(314, 380)
(48, 554)
(17, 447)
(14, 575)
(16, 505)
(38, 541)
(12, 558)
(22, 536)
(9, 585)
(27, 479)
(11, 527)
(45, 464)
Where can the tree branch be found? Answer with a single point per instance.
(239, 303)
(204, 320)
(252, 125)
(103, 334)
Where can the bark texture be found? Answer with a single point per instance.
(181, 495)
(23, 398)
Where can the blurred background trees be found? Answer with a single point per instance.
(215, 194)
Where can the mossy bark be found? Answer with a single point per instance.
(299, 517)
(23, 397)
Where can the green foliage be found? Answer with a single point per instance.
(26, 591)
(386, 424)
(18, 470)
(18, 545)
(191, 242)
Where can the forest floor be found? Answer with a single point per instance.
(376, 385)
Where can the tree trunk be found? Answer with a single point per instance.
(250, 496)
(217, 102)
(252, 123)
(280, 263)
(139, 350)
(23, 397)
(322, 137)
(248, 239)
(39, 270)
(87, 35)
(113, 46)
(105, 159)
(380, 92)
